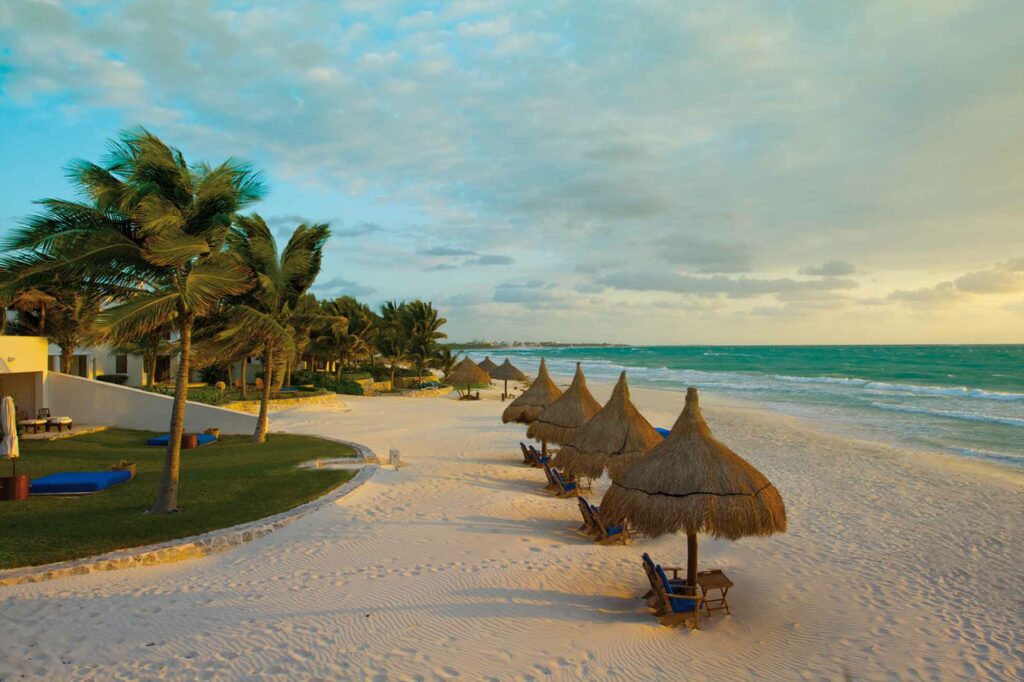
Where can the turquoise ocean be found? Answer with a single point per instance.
(967, 401)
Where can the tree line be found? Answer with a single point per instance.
(156, 257)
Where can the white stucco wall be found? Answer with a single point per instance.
(95, 402)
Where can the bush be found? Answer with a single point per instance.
(213, 374)
(327, 381)
(119, 379)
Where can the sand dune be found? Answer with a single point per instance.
(459, 565)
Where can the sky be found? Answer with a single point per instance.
(649, 172)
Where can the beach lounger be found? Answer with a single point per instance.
(201, 440)
(563, 487)
(27, 422)
(59, 422)
(550, 474)
(78, 482)
(674, 607)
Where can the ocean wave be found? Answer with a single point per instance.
(953, 414)
(822, 380)
(951, 391)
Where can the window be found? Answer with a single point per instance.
(121, 364)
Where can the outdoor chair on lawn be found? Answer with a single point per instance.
(59, 422)
(27, 422)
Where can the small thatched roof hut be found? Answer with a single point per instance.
(488, 366)
(692, 482)
(467, 373)
(507, 371)
(560, 421)
(614, 438)
(531, 403)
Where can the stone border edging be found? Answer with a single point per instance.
(196, 546)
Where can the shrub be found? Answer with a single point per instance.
(119, 379)
(213, 374)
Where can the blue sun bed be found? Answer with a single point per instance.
(202, 439)
(77, 482)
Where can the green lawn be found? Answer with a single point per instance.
(228, 482)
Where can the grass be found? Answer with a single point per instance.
(222, 484)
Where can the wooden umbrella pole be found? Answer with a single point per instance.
(544, 448)
(691, 562)
(506, 390)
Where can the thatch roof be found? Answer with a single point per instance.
(488, 366)
(614, 438)
(466, 373)
(527, 407)
(691, 482)
(506, 371)
(560, 421)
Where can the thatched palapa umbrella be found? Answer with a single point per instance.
(562, 418)
(694, 483)
(467, 373)
(527, 407)
(488, 365)
(506, 371)
(614, 438)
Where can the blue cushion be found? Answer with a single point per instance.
(568, 486)
(202, 439)
(613, 530)
(664, 432)
(679, 604)
(77, 482)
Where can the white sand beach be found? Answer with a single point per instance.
(896, 565)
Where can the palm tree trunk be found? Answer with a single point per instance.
(288, 374)
(67, 355)
(394, 366)
(263, 422)
(167, 496)
(231, 377)
(245, 361)
(151, 369)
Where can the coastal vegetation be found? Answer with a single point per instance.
(229, 482)
(156, 258)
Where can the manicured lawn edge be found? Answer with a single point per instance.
(196, 546)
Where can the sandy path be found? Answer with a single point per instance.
(460, 565)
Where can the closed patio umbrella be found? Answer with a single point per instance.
(691, 482)
(614, 438)
(9, 445)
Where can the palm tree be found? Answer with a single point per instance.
(423, 325)
(393, 336)
(64, 311)
(149, 347)
(152, 239)
(445, 359)
(260, 317)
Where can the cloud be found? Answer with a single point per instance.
(833, 268)
(360, 229)
(446, 251)
(704, 255)
(1002, 278)
(732, 287)
(491, 260)
(533, 292)
(441, 266)
(339, 286)
(942, 292)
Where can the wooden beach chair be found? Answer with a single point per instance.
(565, 487)
(652, 575)
(527, 457)
(539, 459)
(673, 606)
(587, 512)
(552, 485)
(608, 534)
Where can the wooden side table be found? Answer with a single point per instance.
(714, 580)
